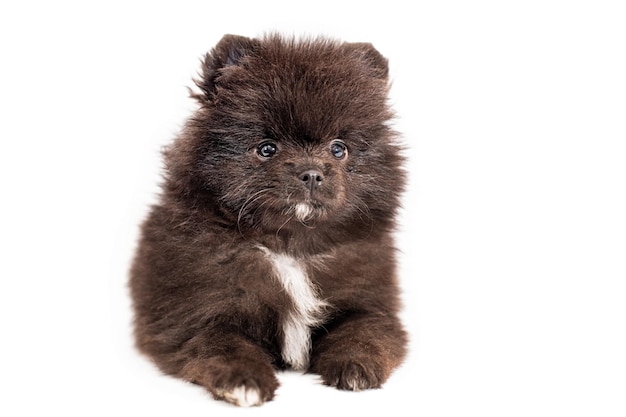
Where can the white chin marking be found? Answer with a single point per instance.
(303, 211)
(243, 397)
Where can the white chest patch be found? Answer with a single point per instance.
(307, 308)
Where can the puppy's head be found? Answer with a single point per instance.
(290, 133)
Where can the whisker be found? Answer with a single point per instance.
(251, 199)
(283, 225)
(364, 211)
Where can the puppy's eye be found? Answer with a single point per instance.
(266, 149)
(338, 149)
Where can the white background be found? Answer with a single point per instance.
(513, 234)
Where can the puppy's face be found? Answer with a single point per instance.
(293, 179)
(294, 133)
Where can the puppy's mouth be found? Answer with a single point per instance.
(307, 210)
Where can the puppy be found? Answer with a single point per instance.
(271, 246)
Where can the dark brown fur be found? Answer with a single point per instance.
(208, 307)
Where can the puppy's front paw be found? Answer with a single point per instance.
(242, 395)
(351, 375)
(246, 388)
(242, 382)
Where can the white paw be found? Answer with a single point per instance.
(243, 397)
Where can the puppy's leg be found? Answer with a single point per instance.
(359, 352)
(234, 370)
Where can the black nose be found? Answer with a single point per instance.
(311, 178)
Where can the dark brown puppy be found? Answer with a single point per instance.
(271, 245)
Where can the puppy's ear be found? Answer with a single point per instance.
(377, 63)
(228, 52)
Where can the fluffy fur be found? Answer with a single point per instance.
(271, 245)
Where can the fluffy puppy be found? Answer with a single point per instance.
(271, 246)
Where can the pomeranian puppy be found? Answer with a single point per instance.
(271, 246)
